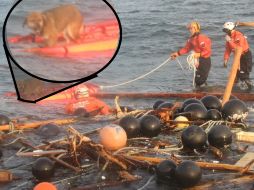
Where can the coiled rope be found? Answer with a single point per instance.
(191, 60)
(138, 78)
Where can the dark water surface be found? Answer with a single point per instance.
(151, 30)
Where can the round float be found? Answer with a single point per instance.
(234, 110)
(211, 102)
(48, 130)
(190, 101)
(183, 124)
(165, 169)
(150, 126)
(213, 114)
(131, 126)
(45, 186)
(113, 137)
(219, 136)
(188, 174)
(43, 169)
(195, 111)
(194, 137)
(157, 104)
(166, 105)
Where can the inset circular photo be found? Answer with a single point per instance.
(63, 41)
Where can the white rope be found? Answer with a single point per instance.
(191, 60)
(140, 77)
(147, 183)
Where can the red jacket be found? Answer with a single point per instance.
(200, 43)
(90, 104)
(237, 39)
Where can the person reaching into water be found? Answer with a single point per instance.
(87, 104)
(236, 39)
(201, 45)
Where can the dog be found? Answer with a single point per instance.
(65, 19)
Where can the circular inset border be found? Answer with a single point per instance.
(94, 75)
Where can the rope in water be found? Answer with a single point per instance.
(191, 60)
(138, 78)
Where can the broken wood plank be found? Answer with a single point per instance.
(204, 165)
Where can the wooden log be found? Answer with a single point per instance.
(204, 165)
(37, 124)
(245, 136)
(234, 182)
(41, 153)
(63, 163)
(5, 176)
(232, 75)
(181, 95)
(51, 156)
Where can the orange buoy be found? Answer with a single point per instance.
(113, 137)
(45, 186)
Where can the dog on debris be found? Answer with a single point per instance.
(65, 19)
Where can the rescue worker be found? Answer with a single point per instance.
(236, 39)
(201, 45)
(91, 105)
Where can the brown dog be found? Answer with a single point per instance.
(65, 19)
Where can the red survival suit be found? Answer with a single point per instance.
(199, 43)
(82, 99)
(239, 40)
(90, 104)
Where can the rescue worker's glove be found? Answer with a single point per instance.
(196, 55)
(225, 64)
(174, 55)
(227, 38)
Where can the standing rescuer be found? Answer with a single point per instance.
(236, 39)
(201, 45)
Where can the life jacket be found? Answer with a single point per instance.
(90, 104)
(237, 40)
(199, 43)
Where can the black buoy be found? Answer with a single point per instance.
(4, 120)
(131, 126)
(213, 114)
(157, 104)
(190, 101)
(211, 102)
(165, 170)
(48, 130)
(188, 174)
(166, 105)
(43, 169)
(195, 111)
(150, 126)
(81, 112)
(194, 137)
(234, 110)
(219, 136)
